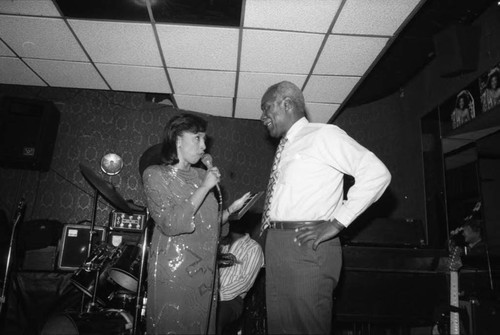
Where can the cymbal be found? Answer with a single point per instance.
(107, 190)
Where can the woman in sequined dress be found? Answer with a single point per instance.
(182, 283)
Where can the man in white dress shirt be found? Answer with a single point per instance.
(305, 211)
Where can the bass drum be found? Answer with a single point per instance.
(106, 322)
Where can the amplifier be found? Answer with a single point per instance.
(74, 245)
(126, 222)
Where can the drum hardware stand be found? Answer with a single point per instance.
(93, 232)
(140, 299)
(91, 306)
(90, 266)
(109, 192)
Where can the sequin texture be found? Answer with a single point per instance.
(181, 263)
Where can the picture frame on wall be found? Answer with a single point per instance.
(460, 108)
(489, 86)
(464, 109)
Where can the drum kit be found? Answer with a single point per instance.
(112, 278)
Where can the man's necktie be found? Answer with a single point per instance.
(272, 185)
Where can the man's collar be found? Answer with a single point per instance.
(295, 128)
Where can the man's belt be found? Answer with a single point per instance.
(289, 225)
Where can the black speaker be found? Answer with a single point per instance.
(457, 49)
(28, 130)
(73, 246)
(37, 234)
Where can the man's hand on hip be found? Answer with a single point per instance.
(318, 233)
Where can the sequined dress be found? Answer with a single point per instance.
(182, 281)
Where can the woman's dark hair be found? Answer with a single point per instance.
(174, 128)
(463, 96)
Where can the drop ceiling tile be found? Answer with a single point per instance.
(35, 37)
(14, 72)
(29, 7)
(305, 15)
(67, 74)
(320, 113)
(208, 105)
(135, 78)
(198, 82)
(5, 51)
(375, 17)
(254, 85)
(349, 55)
(248, 109)
(279, 52)
(197, 47)
(118, 42)
(329, 89)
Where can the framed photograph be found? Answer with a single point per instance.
(489, 86)
(461, 108)
(464, 109)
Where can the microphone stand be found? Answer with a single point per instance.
(207, 161)
(214, 291)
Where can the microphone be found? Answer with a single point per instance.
(207, 160)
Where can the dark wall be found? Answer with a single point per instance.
(390, 127)
(392, 134)
(94, 123)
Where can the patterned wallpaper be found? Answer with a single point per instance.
(94, 123)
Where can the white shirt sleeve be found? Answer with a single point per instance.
(348, 156)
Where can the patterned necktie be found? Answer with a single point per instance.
(272, 185)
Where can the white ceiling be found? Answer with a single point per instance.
(326, 47)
